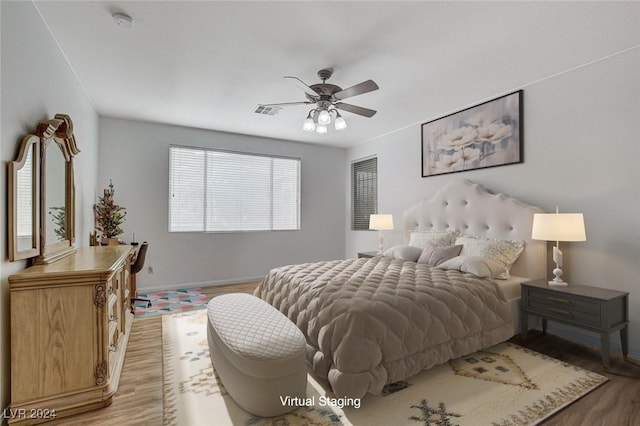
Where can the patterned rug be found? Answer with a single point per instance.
(169, 302)
(501, 386)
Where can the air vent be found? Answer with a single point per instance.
(267, 110)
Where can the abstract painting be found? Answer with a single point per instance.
(485, 135)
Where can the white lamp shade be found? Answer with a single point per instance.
(558, 227)
(324, 117)
(381, 222)
(308, 125)
(340, 123)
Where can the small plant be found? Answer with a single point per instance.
(109, 215)
(59, 219)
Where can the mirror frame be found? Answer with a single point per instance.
(29, 141)
(58, 130)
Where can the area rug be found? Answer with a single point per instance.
(166, 302)
(504, 385)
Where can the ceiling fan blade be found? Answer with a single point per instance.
(356, 109)
(288, 103)
(301, 84)
(358, 89)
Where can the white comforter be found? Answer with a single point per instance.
(370, 322)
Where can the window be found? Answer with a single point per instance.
(221, 191)
(364, 192)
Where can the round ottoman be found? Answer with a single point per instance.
(257, 352)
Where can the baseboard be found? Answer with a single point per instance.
(165, 287)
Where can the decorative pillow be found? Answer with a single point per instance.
(504, 252)
(435, 255)
(437, 238)
(404, 253)
(481, 267)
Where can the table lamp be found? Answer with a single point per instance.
(381, 222)
(558, 227)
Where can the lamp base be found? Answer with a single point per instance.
(557, 281)
(381, 245)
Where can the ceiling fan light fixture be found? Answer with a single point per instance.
(327, 98)
(340, 123)
(309, 125)
(324, 117)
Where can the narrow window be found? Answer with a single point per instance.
(364, 192)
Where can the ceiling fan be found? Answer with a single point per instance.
(327, 98)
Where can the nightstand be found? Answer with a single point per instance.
(591, 308)
(367, 254)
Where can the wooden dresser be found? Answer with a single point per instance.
(70, 324)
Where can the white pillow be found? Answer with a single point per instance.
(404, 253)
(436, 238)
(481, 267)
(504, 252)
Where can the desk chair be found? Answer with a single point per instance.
(136, 267)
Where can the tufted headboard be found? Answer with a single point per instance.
(470, 208)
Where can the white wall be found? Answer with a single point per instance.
(37, 83)
(581, 151)
(135, 155)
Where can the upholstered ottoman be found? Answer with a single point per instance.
(257, 352)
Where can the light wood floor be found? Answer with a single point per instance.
(138, 400)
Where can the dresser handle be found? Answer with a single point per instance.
(560, 311)
(557, 299)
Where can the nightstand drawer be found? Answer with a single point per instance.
(562, 302)
(562, 306)
(565, 313)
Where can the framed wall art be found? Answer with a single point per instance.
(485, 135)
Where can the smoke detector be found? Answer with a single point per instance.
(123, 20)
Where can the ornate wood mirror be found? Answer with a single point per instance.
(51, 201)
(57, 189)
(24, 200)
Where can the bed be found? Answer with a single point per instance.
(371, 322)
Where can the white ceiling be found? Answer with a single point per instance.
(209, 64)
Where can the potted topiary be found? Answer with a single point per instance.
(109, 217)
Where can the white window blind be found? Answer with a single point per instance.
(364, 192)
(25, 196)
(220, 191)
